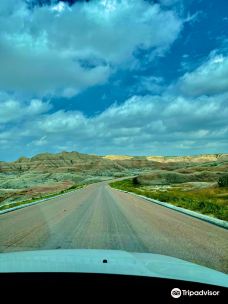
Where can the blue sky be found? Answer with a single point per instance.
(134, 77)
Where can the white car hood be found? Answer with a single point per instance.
(109, 262)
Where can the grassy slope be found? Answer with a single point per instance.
(212, 202)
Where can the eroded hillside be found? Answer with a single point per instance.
(48, 173)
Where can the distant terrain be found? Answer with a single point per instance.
(45, 174)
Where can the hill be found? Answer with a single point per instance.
(48, 173)
(78, 162)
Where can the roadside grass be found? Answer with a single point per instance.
(209, 201)
(41, 197)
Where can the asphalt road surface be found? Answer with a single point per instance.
(99, 217)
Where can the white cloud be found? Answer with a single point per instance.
(12, 110)
(62, 122)
(42, 50)
(142, 125)
(209, 78)
(59, 7)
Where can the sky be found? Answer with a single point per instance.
(132, 77)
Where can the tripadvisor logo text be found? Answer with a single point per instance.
(177, 293)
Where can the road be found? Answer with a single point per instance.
(99, 217)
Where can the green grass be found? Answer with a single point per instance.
(209, 201)
(35, 199)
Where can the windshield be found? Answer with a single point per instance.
(113, 127)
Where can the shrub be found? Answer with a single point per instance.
(135, 181)
(223, 181)
(175, 178)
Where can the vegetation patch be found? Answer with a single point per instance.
(209, 201)
(223, 181)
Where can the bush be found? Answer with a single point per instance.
(135, 181)
(175, 178)
(223, 181)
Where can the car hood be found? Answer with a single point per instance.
(109, 262)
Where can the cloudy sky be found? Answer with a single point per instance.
(137, 77)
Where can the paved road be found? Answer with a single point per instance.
(103, 218)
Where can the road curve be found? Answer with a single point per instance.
(99, 217)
